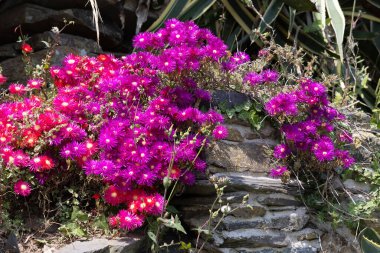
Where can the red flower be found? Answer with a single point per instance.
(26, 48)
(3, 79)
(96, 196)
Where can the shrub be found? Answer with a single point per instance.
(132, 124)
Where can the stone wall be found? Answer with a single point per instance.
(276, 219)
(37, 17)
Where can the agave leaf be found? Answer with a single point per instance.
(369, 241)
(374, 3)
(195, 9)
(270, 14)
(338, 23)
(321, 14)
(362, 15)
(376, 41)
(241, 16)
(363, 35)
(304, 5)
(172, 10)
(292, 16)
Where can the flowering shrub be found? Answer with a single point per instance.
(313, 135)
(134, 123)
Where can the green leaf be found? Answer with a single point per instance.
(338, 23)
(101, 223)
(152, 236)
(270, 14)
(303, 5)
(185, 246)
(195, 9)
(78, 215)
(172, 10)
(241, 14)
(292, 16)
(173, 222)
(369, 241)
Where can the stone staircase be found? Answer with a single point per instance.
(273, 221)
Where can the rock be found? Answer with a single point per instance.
(284, 220)
(99, 245)
(229, 99)
(191, 200)
(234, 133)
(298, 249)
(11, 244)
(254, 209)
(13, 68)
(243, 182)
(239, 157)
(278, 199)
(253, 238)
(84, 45)
(356, 187)
(36, 19)
(8, 51)
(307, 234)
(266, 131)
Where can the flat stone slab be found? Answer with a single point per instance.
(240, 156)
(243, 182)
(278, 199)
(253, 238)
(284, 220)
(100, 245)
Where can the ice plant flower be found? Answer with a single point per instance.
(220, 132)
(278, 171)
(26, 48)
(3, 79)
(22, 188)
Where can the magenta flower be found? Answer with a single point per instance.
(281, 151)
(344, 158)
(220, 132)
(278, 171)
(323, 149)
(22, 188)
(253, 78)
(129, 220)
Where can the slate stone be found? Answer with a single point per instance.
(84, 45)
(245, 211)
(239, 157)
(278, 199)
(13, 68)
(11, 244)
(243, 182)
(253, 238)
(356, 187)
(285, 220)
(228, 99)
(124, 245)
(37, 19)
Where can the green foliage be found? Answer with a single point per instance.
(249, 111)
(369, 241)
(332, 29)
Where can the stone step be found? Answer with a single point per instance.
(253, 238)
(283, 220)
(277, 199)
(243, 182)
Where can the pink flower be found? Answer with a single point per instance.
(278, 171)
(220, 132)
(22, 188)
(3, 79)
